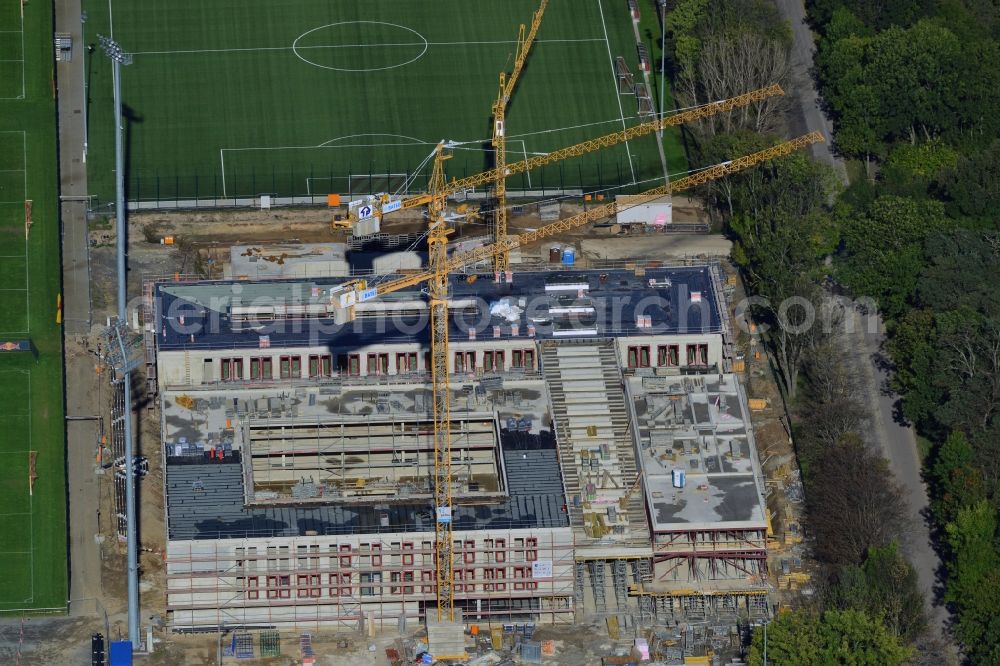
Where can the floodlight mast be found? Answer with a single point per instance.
(119, 57)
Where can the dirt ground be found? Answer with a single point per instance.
(575, 645)
(788, 547)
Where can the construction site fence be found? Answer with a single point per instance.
(309, 186)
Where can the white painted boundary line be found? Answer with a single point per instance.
(524, 152)
(359, 46)
(24, 255)
(31, 501)
(309, 179)
(222, 159)
(21, 33)
(614, 81)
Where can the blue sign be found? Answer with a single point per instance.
(392, 206)
(368, 294)
(364, 212)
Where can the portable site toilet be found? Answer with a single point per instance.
(677, 477)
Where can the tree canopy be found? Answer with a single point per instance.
(833, 637)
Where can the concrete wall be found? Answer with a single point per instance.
(652, 344)
(202, 366)
(330, 581)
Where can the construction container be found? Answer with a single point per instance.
(531, 652)
(569, 256)
(555, 252)
(120, 653)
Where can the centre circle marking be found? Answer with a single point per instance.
(296, 47)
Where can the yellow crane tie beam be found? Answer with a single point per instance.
(606, 210)
(501, 261)
(605, 141)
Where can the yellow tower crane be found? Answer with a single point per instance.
(501, 261)
(577, 150)
(439, 269)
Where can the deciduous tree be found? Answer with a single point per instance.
(835, 637)
(854, 503)
(885, 587)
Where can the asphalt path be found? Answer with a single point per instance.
(898, 444)
(807, 113)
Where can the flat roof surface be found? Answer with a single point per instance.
(698, 425)
(206, 496)
(205, 501)
(676, 300)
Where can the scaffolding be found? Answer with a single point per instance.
(596, 450)
(619, 577)
(118, 415)
(364, 459)
(307, 583)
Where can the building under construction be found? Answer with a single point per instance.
(602, 458)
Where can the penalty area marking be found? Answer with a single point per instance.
(296, 48)
(415, 140)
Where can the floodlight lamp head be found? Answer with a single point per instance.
(113, 50)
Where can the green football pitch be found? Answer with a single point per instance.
(33, 570)
(304, 97)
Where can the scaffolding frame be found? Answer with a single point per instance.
(371, 583)
(329, 458)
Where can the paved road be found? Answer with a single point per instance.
(82, 400)
(73, 172)
(899, 446)
(807, 116)
(82, 394)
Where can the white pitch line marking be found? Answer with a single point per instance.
(362, 46)
(614, 81)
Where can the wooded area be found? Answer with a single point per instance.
(913, 88)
